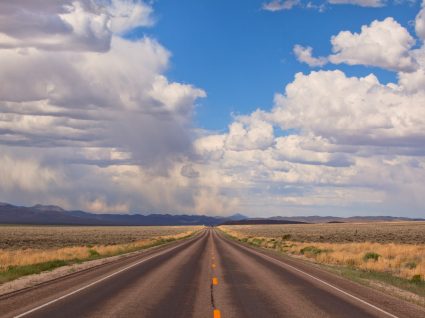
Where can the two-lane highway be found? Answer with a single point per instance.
(206, 276)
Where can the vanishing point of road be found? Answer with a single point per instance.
(205, 276)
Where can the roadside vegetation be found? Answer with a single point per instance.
(17, 261)
(399, 264)
(382, 232)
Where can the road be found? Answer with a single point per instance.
(205, 276)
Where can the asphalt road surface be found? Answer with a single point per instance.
(205, 276)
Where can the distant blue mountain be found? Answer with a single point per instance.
(237, 217)
(55, 215)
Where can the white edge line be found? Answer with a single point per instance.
(97, 281)
(319, 280)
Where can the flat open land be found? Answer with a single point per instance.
(389, 253)
(382, 232)
(207, 275)
(26, 250)
(43, 237)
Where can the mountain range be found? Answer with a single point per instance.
(319, 219)
(55, 215)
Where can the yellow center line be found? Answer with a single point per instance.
(217, 313)
(213, 265)
(215, 281)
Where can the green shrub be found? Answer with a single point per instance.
(410, 265)
(311, 250)
(371, 256)
(416, 278)
(14, 272)
(93, 253)
(257, 241)
(286, 237)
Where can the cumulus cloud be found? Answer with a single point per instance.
(334, 142)
(349, 141)
(249, 132)
(91, 107)
(79, 25)
(351, 110)
(420, 23)
(305, 55)
(96, 124)
(68, 25)
(384, 44)
(414, 82)
(127, 14)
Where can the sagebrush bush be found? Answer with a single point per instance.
(416, 278)
(411, 265)
(401, 260)
(371, 256)
(311, 250)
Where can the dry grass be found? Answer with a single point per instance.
(48, 237)
(13, 256)
(401, 260)
(383, 232)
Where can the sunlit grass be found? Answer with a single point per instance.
(401, 260)
(17, 263)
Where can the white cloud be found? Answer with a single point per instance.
(413, 82)
(25, 175)
(175, 97)
(128, 14)
(105, 116)
(305, 55)
(420, 23)
(352, 110)
(249, 133)
(279, 5)
(384, 44)
(350, 145)
(100, 205)
(361, 3)
(99, 126)
(69, 25)
(210, 147)
(321, 6)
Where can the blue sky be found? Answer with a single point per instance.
(278, 107)
(241, 55)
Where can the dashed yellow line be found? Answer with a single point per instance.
(213, 265)
(217, 313)
(215, 281)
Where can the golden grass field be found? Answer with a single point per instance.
(28, 245)
(394, 248)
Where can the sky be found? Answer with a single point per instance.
(214, 107)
